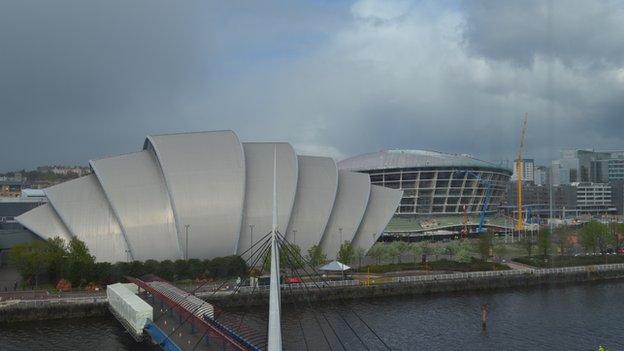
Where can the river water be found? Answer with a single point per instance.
(579, 317)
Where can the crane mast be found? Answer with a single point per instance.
(519, 170)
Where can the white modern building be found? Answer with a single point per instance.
(528, 170)
(205, 195)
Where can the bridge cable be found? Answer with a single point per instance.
(265, 245)
(315, 316)
(317, 274)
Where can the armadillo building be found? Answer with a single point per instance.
(207, 194)
(439, 189)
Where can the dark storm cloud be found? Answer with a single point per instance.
(81, 80)
(577, 32)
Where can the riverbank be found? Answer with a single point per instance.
(17, 311)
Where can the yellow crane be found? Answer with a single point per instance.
(519, 170)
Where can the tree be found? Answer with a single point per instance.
(30, 260)
(316, 257)
(438, 250)
(376, 252)
(416, 250)
(527, 243)
(464, 252)
(290, 257)
(360, 253)
(562, 238)
(617, 235)
(346, 253)
(80, 263)
(56, 253)
(485, 244)
(399, 248)
(543, 242)
(589, 236)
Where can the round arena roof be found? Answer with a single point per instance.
(389, 159)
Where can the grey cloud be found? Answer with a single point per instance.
(579, 33)
(82, 80)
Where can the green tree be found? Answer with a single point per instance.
(416, 250)
(438, 250)
(543, 242)
(316, 257)
(56, 254)
(80, 264)
(562, 239)
(290, 257)
(399, 248)
(527, 243)
(617, 235)
(485, 244)
(360, 253)
(589, 236)
(376, 252)
(346, 253)
(464, 252)
(30, 260)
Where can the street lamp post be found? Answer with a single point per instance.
(340, 246)
(294, 236)
(251, 227)
(186, 253)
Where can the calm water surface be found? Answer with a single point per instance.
(562, 318)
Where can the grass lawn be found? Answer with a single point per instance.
(440, 265)
(569, 261)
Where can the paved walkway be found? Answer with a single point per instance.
(516, 265)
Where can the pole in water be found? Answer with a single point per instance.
(484, 315)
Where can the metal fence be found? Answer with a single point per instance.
(53, 302)
(509, 273)
(306, 285)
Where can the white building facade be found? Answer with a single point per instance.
(204, 195)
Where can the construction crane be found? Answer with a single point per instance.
(487, 185)
(519, 170)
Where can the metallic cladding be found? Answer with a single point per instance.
(44, 222)
(205, 176)
(391, 159)
(381, 206)
(259, 189)
(84, 209)
(316, 191)
(135, 188)
(348, 211)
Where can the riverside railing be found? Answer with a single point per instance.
(509, 273)
(303, 285)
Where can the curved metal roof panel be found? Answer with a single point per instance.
(349, 207)
(135, 189)
(316, 191)
(381, 206)
(205, 176)
(82, 206)
(389, 159)
(44, 222)
(259, 189)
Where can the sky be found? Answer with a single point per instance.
(83, 80)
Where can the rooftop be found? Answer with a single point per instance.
(388, 159)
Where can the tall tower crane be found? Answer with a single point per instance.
(519, 170)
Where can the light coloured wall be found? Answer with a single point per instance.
(205, 176)
(82, 206)
(259, 190)
(44, 222)
(135, 188)
(316, 192)
(381, 205)
(348, 211)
